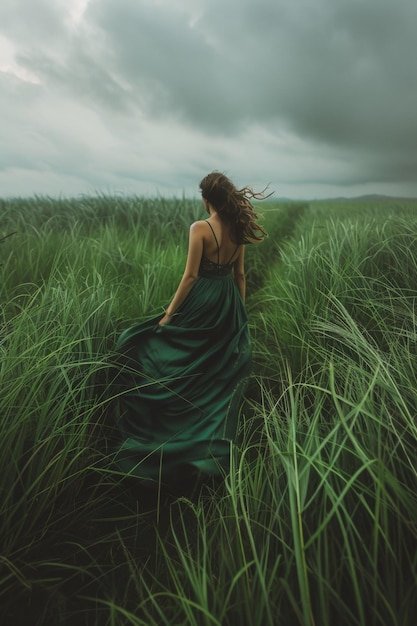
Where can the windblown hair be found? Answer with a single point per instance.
(233, 206)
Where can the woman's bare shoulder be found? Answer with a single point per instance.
(198, 226)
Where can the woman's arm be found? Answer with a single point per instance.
(239, 272)
(195, 251)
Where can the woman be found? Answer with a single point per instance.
(184, 374)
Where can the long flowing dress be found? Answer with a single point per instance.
(182, 383)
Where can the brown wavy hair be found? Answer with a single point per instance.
(234, 207)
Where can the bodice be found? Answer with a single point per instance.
(210, 268)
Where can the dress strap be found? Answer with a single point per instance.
(217, 243)
(233, 254)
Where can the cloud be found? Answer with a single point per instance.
(304, 93)
(338, 71)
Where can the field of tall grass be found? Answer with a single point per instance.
(316, 522)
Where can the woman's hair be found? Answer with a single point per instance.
(234, 207)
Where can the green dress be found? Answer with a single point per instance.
(182, 383)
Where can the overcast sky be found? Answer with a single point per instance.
(316, 97)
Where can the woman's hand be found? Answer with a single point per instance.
(165, 320)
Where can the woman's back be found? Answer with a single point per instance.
(217, 244)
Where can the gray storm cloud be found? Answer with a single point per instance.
(338, 75)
